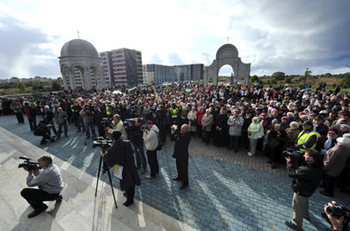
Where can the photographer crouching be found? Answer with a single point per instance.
(49, 182)
(121, 153)
(306, 179)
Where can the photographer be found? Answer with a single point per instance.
(88, 121)
(121, 153)
(117, 125)
(48, 118)
(150, 136)
(306, 179)
(182, 141)
(337, 223)
(137, 141)
(61, 120)
(50, 185)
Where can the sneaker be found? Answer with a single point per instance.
(290, 224)
(149, 177)
(250, 154)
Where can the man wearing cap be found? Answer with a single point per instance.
(334, 162)
(321, 128)
(307, 138)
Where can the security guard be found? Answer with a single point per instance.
(307, 138)
(174, 114)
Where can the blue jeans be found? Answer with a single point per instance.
(87, 128)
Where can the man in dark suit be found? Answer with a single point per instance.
(182, 140)
(121, 153)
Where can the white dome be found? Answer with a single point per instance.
(79, 47)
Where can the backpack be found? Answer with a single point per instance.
(160, 143)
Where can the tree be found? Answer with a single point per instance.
(56, 86)
(37, 85)
(288, 80)
(254, 79)
(345, 82)
(21, 86)
(307, 73)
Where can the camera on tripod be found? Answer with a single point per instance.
(28, 164)
(294, 155)
(102, 143)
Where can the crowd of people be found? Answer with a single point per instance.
(256, 120)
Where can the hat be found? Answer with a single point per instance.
(345, 140)
(333, 129)
(47, 107)
(284, 118)
(116, 135)
(274, 110)
(345, 125)
(275, 121)
(308, 123)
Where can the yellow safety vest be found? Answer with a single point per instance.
(35, 103)
(71, 107)
(174, 112)
(108, 112)
(303, 137)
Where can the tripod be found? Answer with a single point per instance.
(110, 180)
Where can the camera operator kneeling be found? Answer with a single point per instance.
(306, 179)
(49, 182)
(121, 153)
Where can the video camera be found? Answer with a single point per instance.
(28, 164)
(294, 155)
(102, 143)
(129, 124)
(106, 122)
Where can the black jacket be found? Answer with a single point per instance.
(121, 153)
(137, 136)
(306, 178)
(182, 141)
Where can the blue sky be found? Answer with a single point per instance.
(272, 35)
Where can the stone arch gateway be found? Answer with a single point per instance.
(227, 55)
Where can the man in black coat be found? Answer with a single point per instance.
(306, 179)
(182, 141)
(121, 153)
(137, 141)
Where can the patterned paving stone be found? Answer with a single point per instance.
(228, 191)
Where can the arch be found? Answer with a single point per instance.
(227, 55)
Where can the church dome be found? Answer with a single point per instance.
(79, 47)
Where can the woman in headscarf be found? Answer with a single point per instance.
(255, 131)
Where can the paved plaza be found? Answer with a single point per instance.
(227, 191)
